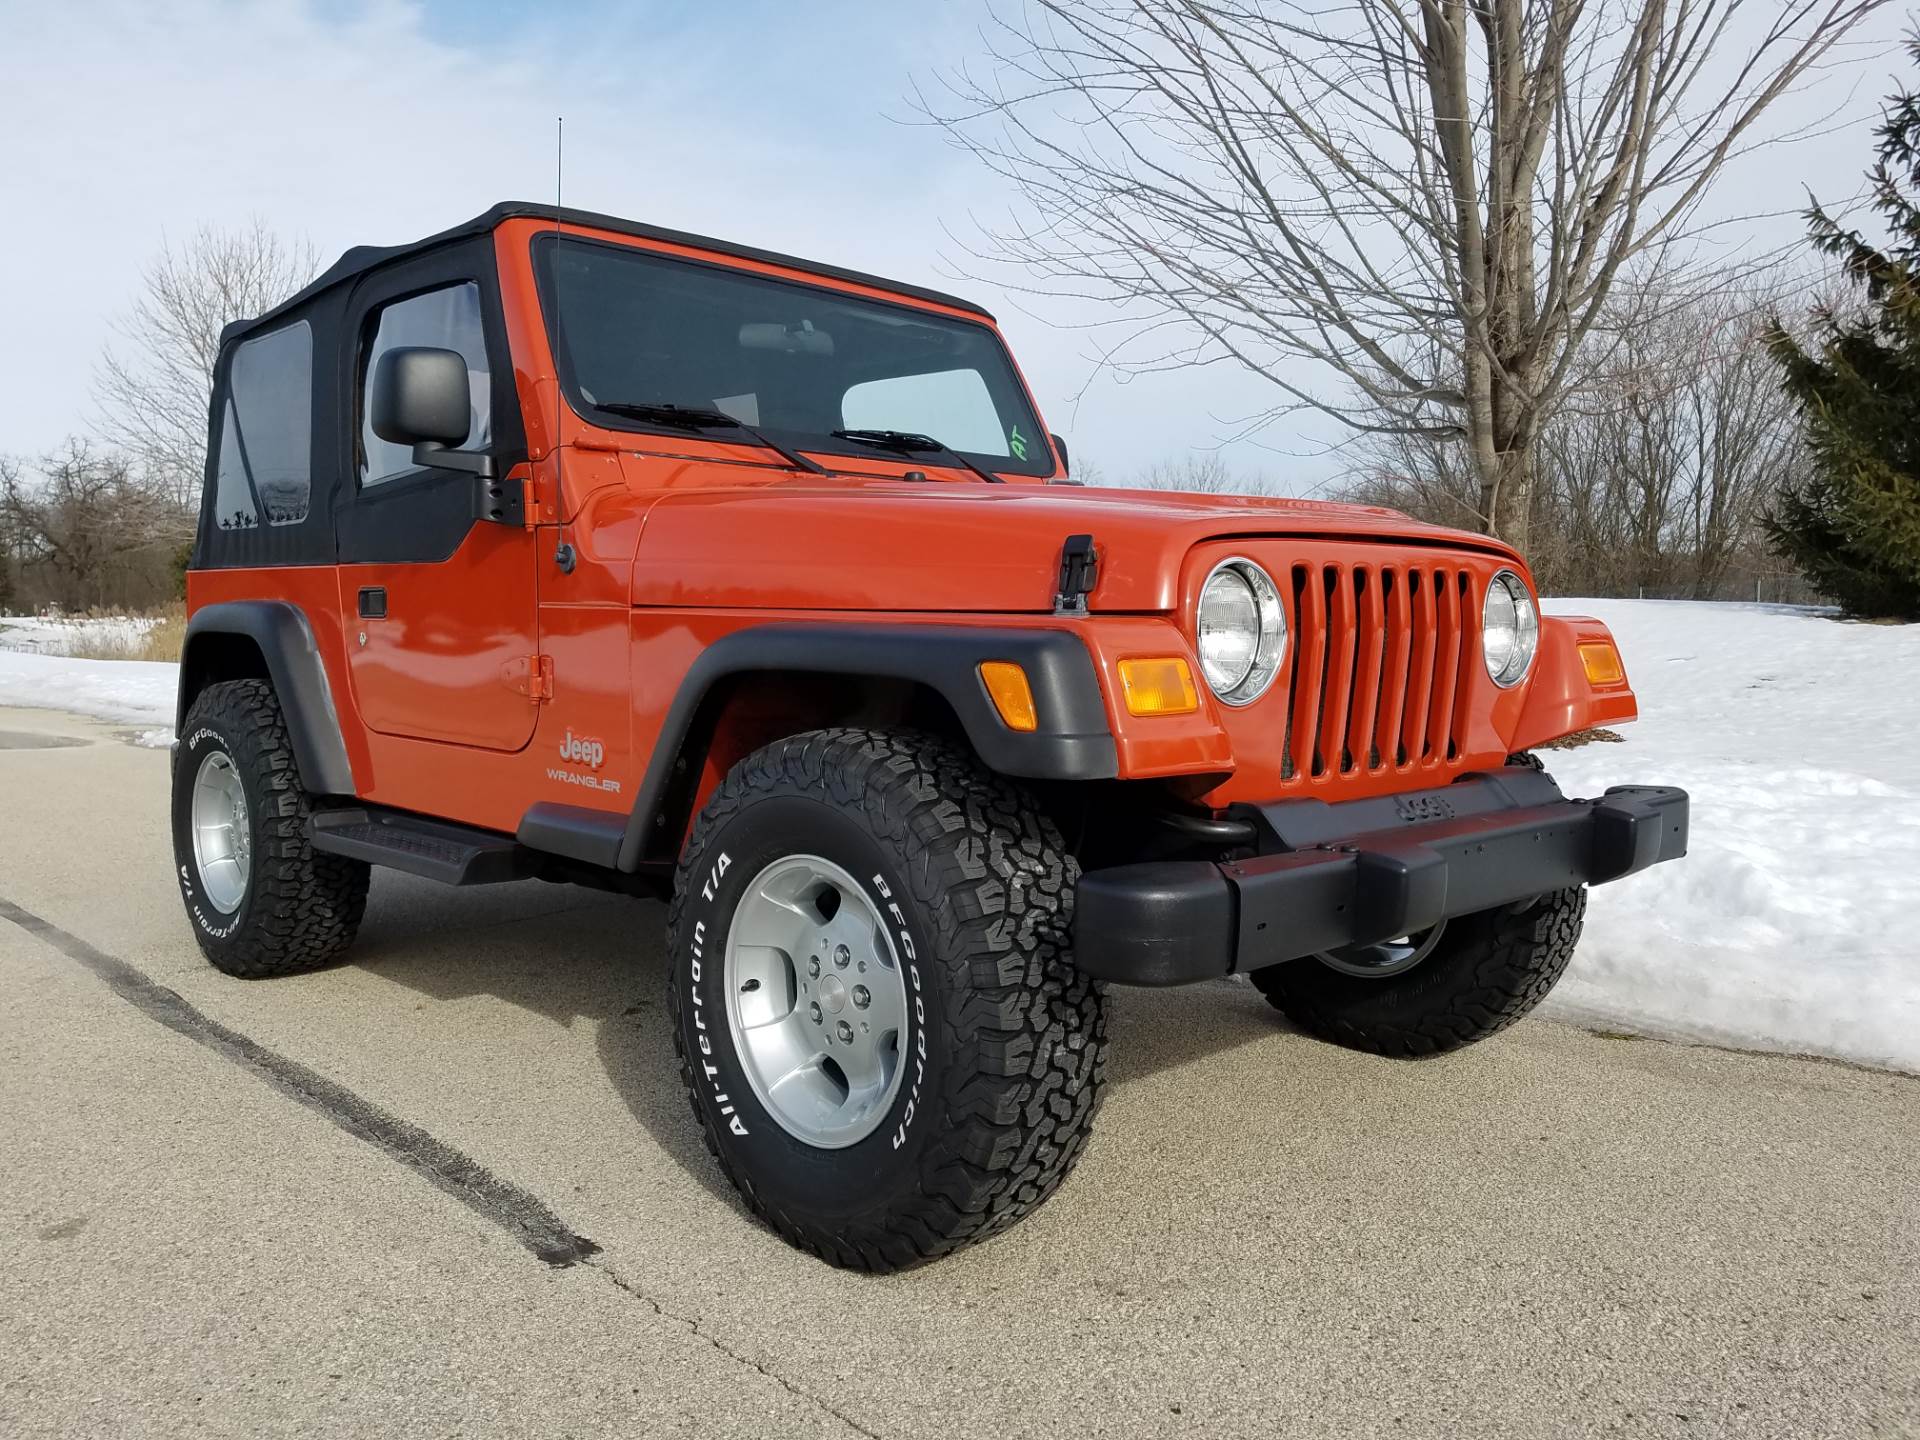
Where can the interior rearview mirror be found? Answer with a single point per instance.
(801, 339)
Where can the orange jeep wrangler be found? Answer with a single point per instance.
(559, 546)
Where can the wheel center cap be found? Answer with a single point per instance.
(833, 993)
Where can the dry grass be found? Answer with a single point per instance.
(168, 634)
(105, 647)
(1583, 737)
(103, 635)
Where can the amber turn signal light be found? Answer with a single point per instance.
(1006, 682)
(1602, 663)
(1161, 686)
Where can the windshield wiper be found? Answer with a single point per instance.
(905, 442)
(693, 417)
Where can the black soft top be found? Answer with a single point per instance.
(362, 258)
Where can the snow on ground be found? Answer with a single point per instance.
(37, 670)
(138, 693)
(107, 637)
(1787, 925)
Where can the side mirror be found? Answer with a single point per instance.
(421, 397)
(1060, 449)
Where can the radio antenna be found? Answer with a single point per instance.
(559, 404)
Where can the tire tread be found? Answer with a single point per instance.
(995, 884)
(305, 906)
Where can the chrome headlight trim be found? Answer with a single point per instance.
(1269, 638)
(1516, 655)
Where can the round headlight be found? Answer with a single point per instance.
(1509, 629)
(1242, 631)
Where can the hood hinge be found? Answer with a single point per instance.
(1079, 572)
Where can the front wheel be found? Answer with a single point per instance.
(1473, 976)
(879, 1025)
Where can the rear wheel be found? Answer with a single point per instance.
(1421, 995)
(879, 1025)
(261, 899)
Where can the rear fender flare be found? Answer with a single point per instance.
(285, 640)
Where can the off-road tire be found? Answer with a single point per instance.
(1488, 970)
(1014, 1035)
(301, 908)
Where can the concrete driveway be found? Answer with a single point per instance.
(452, 1188)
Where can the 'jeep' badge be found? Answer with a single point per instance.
(582, 750)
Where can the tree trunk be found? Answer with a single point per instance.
(1513, 502)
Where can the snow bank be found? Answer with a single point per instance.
(1788, 926)
(1790, 923)
(128, 692)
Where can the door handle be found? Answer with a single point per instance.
(373, 602)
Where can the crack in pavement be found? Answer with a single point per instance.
(695, 1329)
(520, 1213)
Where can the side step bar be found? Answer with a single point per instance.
(451, 854)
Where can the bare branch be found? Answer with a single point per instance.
(1428, 202)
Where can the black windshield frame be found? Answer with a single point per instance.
(1038, 462)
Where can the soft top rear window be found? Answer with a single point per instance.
(631, 327)
(263, 471)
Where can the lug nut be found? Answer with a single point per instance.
(846, 1033)
(813, 966)
(813, 1012)
(841, 955)
(862, 997)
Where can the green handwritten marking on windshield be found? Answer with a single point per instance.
(1017, 443)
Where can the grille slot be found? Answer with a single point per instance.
(1378, 672)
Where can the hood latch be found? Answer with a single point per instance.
(1079, 572)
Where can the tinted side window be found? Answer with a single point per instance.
(265, 468)
(446, 319)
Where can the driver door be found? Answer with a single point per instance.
(440, 607)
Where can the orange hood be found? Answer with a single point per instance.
(892, 546)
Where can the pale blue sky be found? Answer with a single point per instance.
(780, 125)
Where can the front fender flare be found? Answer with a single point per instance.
(1072, 740)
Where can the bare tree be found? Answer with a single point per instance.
(151, 393)
(1374, 184)
(93, 529)
(1653, 472)
(1194, 474)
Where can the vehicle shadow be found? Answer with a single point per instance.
(573, 955)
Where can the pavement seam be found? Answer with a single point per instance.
(697, 1330)
(520, 1213)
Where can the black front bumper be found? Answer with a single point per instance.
(1364, 871)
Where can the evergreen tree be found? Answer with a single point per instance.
(1853, 525)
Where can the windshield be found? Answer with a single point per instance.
(634, 329)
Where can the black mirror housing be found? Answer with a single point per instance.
(420, 396)
(1060, 449)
